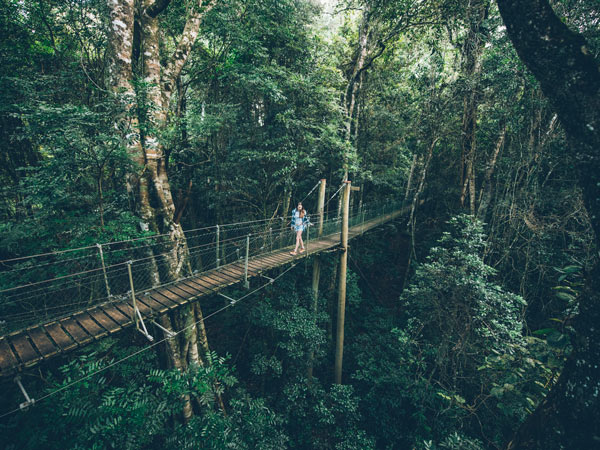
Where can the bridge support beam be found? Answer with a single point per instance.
(341, 310)
(316, 275)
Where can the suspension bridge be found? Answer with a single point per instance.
(56, 302)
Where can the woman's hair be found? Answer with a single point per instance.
(302, 211)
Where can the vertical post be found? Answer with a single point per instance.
(218, 260)
(321, 205)
(339, 344)
(246, 283)
(270, 239)
(133, 301)
(317, 269)
(104, 269)
(362, 231)
(360, 201)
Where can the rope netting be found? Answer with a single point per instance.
(44, 287)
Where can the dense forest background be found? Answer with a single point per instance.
(463, 330)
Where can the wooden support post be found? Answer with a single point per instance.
(339, 342)
(104, 269)
(133, 301)
(321, 206)
(317, 269)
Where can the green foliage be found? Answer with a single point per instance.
(469, 334)
(453, 300)
(256, 118)
(130, 405)
(391, 375)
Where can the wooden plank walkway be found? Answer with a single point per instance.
(26, 348)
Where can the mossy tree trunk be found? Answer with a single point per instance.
(135, 55)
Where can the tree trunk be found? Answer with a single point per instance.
(569, 417)
(485, 194)
(471, 67)
(150, 187)
(410, 177)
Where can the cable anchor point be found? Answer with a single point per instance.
(29, 401)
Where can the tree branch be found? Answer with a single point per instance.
(157, 7)
(188, 38)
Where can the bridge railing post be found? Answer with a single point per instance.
(133, 301)
(270, 239)
(307, 236)
(104, 269)
(362, 229)
(218, 260)
(246, 283)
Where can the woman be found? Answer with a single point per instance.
(299, 224)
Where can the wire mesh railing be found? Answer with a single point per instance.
(46, 287)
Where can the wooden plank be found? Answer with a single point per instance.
(175, 297)
(279, 254)
(7, 359)
(105, 320)
(180, 292)
(276, 261)
(218, 281)
(261, 265)
(213, 282)
(226, 275)
(237, 274)
(126, 310)
(58, 335)
(42, 342)
(225, 278)
(206, 282)
(24, 349)
(89, 325)
(266, 264)
(143, 307)
(158, 296)
(194, 292)
(201, 284)
(116, 315)
(196, 282)
(283, 255)
(75, 330)
(239, 268)
(156, 307)
(189, 285)
(252, 272)
(165, 303)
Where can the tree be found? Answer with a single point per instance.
(136, 73)
(562, 62)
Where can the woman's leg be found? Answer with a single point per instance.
(298, 239)
(301, 242)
